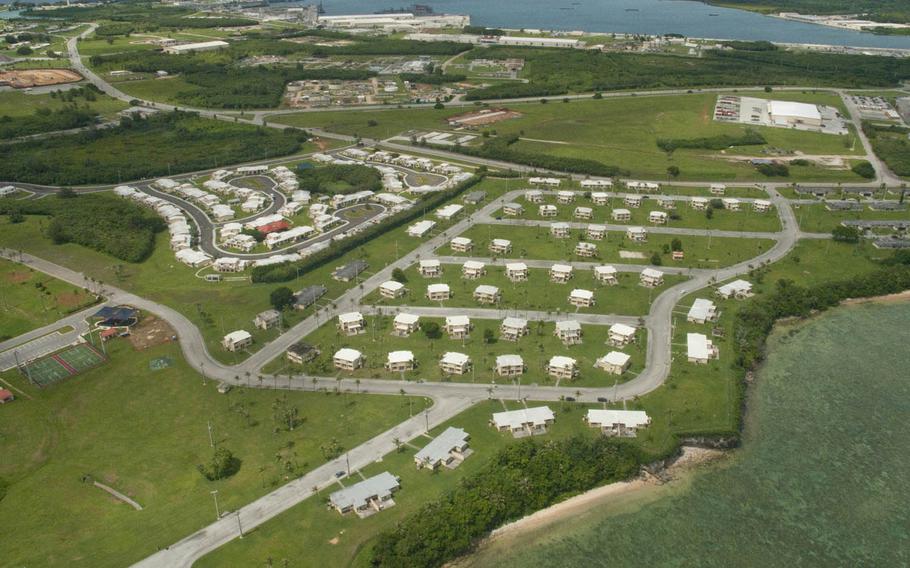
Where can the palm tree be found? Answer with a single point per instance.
(248, 375)
(357, 382)
(397, 442)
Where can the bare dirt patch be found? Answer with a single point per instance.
(26, 78)
(150, 331)
(18, 276)
(482, 117)
(70, 299)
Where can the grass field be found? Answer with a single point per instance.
(535, 348)
(536, 242)
(163, 90)
(793, 452)
(19, 103)
(32, 299)
(815, 218)
(143, 432)
(538, 293)
(617, 131)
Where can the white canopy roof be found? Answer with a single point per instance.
(622, 329)
(517, 418)
(458, 321)
(455, 358)
(407, 319)
(509, 361)
(348, 354)
(350, 317)
(697, 346)
(617, 358)
(401, 357)
(628, 418)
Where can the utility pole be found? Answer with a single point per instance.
(347, 460)
(239, 526)
(217, 510)
(426, 415)
(202, 370)
(211, 438)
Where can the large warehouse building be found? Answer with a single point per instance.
(787, 113)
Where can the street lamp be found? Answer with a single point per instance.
(217, 510)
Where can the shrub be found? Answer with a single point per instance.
(864, 169)
(223, 464)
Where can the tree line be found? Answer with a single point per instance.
(748, 138)
(340, 179)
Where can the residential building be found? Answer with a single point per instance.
(561, 273)
(525, 421)
(449, 449)
(562, 367)
(366, 497)
(438, 292)
(596, 184)
(400, 361)
(461, 244)
(596, 232)
(500, 246)
(448, 212)
(583, 213)
(420, 229)
(509, 365)
(473, 269)
(565, 197)
(568, 331)
(658, 217)
(534, 196)
(623, 423)
(351, 323)
(237, 340)
(621, 335)
(549, 182)
(347, 359)
(739, 289)
(633, 201)
(621, 215)
(698, 203)
(430, 268)
(487, 294)
(513, 329)
(309, 296)
(585, 249)
(244, 243)
(702, 311)
(349, 271)
(599, 197)
(731, 203)
(700, 349)
(761, 205)
(453, 363)
(517, 271)
(718, 189)
(581, 298)
(614, 362)
(547, 210)
(637, 234)
(475, 197)
(606, 274)
(229, 264)
(458, 327)
(301, 353)
(642, 186)
(666, 202)
(392, 289)
(267, 319)
(560, 230)
(651, 278)
(513, 209)
(405, 324)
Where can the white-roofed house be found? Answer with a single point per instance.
(517, 271)
(351, 323)
(347, 359)
(222, 212)
(400, 361)
(453, 363)
(658, 217)
(392, 289)
(487, 294)
(421, 228)
(449, 211)
(547, 210)
(430, 268)
(702, 311)
(561, 273)
(621, 335)
(637, 234)
(651, 278)
(621, 215)
(585, 249)
(599, 197)
(731, 203)
(565, 196)
(596, 183)
(562, 367)
(614, 362)
(509, 365)
(438, 292)
(237, 340)
(642, 186)
(473, 269)
(366, 497)
(525, 421)
(606, 275)
(405, 324)
(739, 289)
(700, 349)
(623, 423)
(581, 298)
(761, 205)
(512, 329)
(596, 232)
(534, 196)
(500, 246)
(229, 264)
(698, 203)
(718, 189)
(513, 209)
(267, 319)
(458, 327)
(583, 213)
(448, 449)
(461, 244)
(568, 331)
(633, 201)
(193, 257)
(560, 230)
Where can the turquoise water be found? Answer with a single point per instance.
(821, 479)
(649, 17)
(8, 14)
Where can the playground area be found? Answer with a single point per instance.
(63, 364)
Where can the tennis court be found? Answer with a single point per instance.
(63, 364)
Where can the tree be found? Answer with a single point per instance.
(24, 50)
(16, 216)
(432, 330)
(66, 193)
(844, 234)
(656, 260)
(488, 336)
(399, 276)
(281, 298)
(673, 171)
(223, 464)
(676, 245)
(864, 169)
(439, 106)
(709, 212)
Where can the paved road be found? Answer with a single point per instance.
(498, 314)
(44, 340)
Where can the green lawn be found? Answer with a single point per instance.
(162, 90)
(535, 348)
(538, 293)
(617, 131)
(32, 299)
(722, 220)
(19, 103)
(817, 219)
(90, 47)
(536, 242)
(143, 432)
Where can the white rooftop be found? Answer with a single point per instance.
(515, 323)
(799, 110)
(407, 319)
(438, 449)
(616, 358)
(437, 288)
(509, 360)
(563, 268)
(458, 321)
(580, 293)
(455, 358)
(350, 317)
(486, 289)
(605, 269)
(697, 346)
(360, 493)
(622, 329)
(568, 325)
(400, 357)
(701, 309)
(562, 361)
(628, 418)
(652, 273)
(516, 266)
(517, 418)
(474, 265)
(348, 354)
(392, 285)
(734, 287)
(237, 336)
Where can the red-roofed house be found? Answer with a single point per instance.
(6, 396)
(274, 227)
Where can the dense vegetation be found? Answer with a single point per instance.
(890, 144)
(878, 10)
(556, 72)
(748, 138)
(103, 223)
(163, 144)
(287, 271)
(433, 78)
(500, 148)
(340, 178)
(520, 479)
(46, 120)
(143, 16)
